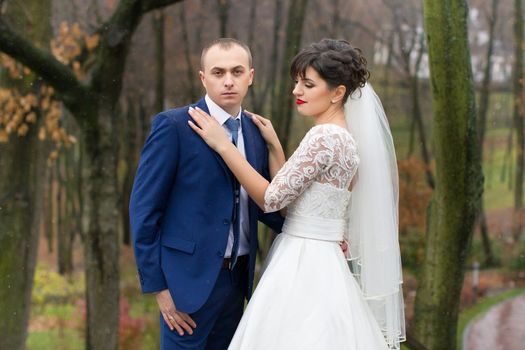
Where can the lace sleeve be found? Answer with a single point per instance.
(313, 156)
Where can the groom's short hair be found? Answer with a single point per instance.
(225, 44)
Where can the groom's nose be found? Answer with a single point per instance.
(228, 80)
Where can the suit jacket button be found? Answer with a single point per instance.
(226, 222)
(219, 253)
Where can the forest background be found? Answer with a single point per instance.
(81, 80)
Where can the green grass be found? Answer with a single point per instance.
(63, 339)
(61, 311)
(484, 304)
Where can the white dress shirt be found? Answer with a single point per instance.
(244, 245)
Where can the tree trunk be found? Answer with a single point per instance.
(251, 33)
(223, 8)
(20, 196)
(274, 79)
(284, 103)
(485, 239)
(187, 54)
(335, 28)
(518, 118)
(65, 234)
(131, 153)
(48, 211)
(158, 28)
(101, 241)
(418, 120)
(17, 238)
(482, 126)
(68, 212)
(93, 105)
(459, 181)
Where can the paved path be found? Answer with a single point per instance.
(501, 328)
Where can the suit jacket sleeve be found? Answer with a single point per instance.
(152, 186)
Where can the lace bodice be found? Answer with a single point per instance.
(314, 181)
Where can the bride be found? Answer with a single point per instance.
(340, 184)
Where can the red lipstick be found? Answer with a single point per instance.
(299, 101)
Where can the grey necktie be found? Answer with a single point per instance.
(233, 126)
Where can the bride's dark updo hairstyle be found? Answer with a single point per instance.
(336, 62)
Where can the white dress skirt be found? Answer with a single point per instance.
(307, 298)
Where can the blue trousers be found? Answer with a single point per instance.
(217, 319)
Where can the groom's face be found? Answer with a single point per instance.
(226, 76)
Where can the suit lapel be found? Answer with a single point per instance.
(202, 105)
(248, 137)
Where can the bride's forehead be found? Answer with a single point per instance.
(310, 74)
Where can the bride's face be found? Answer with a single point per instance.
(312, 94)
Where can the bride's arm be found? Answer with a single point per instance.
(313, 156)
(253, 182)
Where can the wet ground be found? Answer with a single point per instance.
(501, 328)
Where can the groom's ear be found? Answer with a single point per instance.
(252, 72)
(201, 76)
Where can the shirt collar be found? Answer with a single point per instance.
(218, 113)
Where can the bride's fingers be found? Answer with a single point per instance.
(255, 116)
(195, 128)
(197, 117)
(256, 121)
(204, 115)
(260, 120)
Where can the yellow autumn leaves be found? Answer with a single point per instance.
(68, 45)
(19, 110)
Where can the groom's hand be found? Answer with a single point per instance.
(177, 320)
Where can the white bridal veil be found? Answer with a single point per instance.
(373, 214)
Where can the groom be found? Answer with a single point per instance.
(194, 230)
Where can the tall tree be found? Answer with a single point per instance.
(459, 181)
(20, 190)
(158, 29)
(271, 84)
(190, 71)
(93, 103)
(223, 9)
(408, 53)
(482, 125)
(519, 116)
(294, 34)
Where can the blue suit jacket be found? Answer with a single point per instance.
(181, 209)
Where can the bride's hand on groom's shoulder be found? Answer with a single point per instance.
(177, 320)
(266, 128)
(208, 128)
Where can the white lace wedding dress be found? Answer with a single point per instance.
(307, 297)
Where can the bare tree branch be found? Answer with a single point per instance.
(58, 75)
(148, 5)
(115, 40)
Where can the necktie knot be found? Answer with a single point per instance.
(233, 125)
